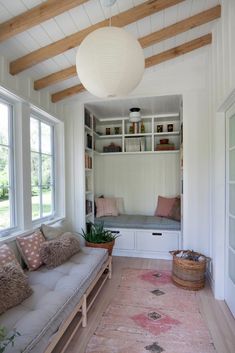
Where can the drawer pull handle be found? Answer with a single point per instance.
(157, 234)
(115, 231)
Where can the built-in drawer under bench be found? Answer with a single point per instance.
(155, 242)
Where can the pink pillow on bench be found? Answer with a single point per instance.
(106, 207)
(165, 206)
(29, 247)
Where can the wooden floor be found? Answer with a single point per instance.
(218, 317)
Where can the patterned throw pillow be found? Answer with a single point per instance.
(6, 255)
(29, 248)
(106, 207)
(55, 252)
(14, 286)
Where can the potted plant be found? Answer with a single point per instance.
(98, 237)
(5, 339)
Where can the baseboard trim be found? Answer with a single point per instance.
(210, 280)
(142, 254)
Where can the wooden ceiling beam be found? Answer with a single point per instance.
(55, 78)
(181, 26)
(68, 92)
(179, 50)
(150, 61)
(35, 16)
(153, 38)
(132, 15)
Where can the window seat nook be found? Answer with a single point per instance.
(143, 236)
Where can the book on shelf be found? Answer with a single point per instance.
(88, 119)
(142, 144)
(88, 161)
(88, 207)
(89, 141)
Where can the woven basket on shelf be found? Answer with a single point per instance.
(108, 246)
(188, 274)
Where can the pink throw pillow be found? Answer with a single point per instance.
(7, 255)
(106, 207)
(29, 247)
(164, 206)
(175, 212)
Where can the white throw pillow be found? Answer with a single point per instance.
(50, 232)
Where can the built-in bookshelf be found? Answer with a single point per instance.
(118, 136)
(89, 124)
(153, 134)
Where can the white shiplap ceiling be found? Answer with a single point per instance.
(148, 105)
(83, 16)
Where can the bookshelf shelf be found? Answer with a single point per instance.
(145, 137)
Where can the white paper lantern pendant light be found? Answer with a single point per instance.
(110, 62)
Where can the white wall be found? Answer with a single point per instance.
(22, 87)
(74, 165)
(189, 77)
(139, 179)
(222, 83)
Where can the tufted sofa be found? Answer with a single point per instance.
(59, 296)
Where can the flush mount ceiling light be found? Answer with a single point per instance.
(110, 62)
(134, 116)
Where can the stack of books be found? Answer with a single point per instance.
(88, 161)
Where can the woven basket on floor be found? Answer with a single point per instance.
(108, 246)
(188, 274)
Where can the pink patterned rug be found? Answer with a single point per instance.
(149, 314)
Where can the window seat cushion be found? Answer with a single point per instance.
(139, 222)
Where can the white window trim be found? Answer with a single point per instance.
(12, 184)
(47, 121)
(22, 111)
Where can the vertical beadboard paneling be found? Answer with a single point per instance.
(139, 179)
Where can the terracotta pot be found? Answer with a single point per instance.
(108, 246)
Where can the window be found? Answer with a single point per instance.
(42, 168)
(7, 190)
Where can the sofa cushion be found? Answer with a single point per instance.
(56, 293)
(29, 247)
(55, 252)
(14, 286)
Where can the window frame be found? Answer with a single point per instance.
(42, 119)
(12, 168)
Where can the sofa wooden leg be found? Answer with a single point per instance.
(84, 311)
(110, 267)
